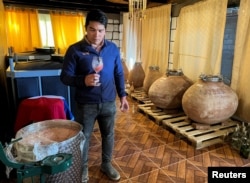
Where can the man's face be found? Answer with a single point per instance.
(95, 32)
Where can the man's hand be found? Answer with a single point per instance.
(92, 79)
(124, 104)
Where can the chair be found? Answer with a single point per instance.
(41, 108)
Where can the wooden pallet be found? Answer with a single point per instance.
(140, 96)
(200, 138)
(156, 114)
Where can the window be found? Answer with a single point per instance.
(46, 31)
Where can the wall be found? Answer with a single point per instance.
(114, 29)
(171, 41)
(5, 132)
(6, 124)
(228, 44)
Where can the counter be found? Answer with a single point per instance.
(30, 83)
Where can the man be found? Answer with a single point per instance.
(96, 103)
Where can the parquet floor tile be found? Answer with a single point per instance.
(184, 171)
(131, 129)
(135, 164)
(166, 136)
(163, 155)
(94, 155)
(119, 135)
(124, 148)
(247, 165)
(156, 176)
(145, 141)
(185, 149)
(95, 139)
(97, 176)
(149, 125)
(231, 156)
(205, 160)
(145, 152)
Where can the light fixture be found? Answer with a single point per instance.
(137, 8)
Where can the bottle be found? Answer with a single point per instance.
(235, 141)
(127, 85)
(11, 63)
(132, 88)
(245, 146)
(248, 130)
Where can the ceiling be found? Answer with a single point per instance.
(108, 6)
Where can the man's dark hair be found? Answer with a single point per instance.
(97, 16)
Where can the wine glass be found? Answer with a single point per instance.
(97, 65)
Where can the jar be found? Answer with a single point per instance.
(137, 75)
(209, 100)
(125, 70)
(167, 91)
(152, 75)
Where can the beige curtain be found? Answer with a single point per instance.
(155, 38)
(129, 44)
(199, 38)
(153, 31)
(22, 29)
(68, 28)
(240, 76)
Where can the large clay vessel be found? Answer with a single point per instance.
(137, 75)
(209, 100)
(152, 76)
(125, 69)
(167, 91)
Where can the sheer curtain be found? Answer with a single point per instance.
(45, 26)
(199, 38)
(155, 38)
(22, 29)
(129, 44)
(67, 28)
(241, 64)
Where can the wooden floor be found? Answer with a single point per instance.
(145, 152)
